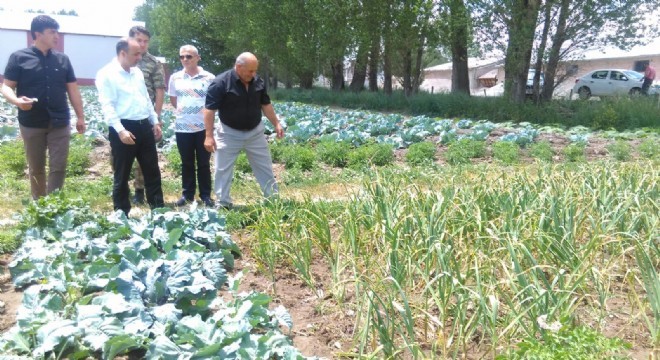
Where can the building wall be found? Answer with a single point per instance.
(88, 54)
(11, 41)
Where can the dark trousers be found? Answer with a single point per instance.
(191, 149)
(646, 85)
(123, 155)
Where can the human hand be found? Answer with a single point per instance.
(158, 132)
(25, 103)
(209, 144)
(279, 131)
(80, 126)
(127, 137)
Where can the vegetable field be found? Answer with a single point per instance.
(394, 237)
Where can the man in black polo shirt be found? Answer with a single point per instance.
(240, 97)
(37, 80)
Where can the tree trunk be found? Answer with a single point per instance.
(374, 59)
(387, 68)
(540, 54)
(418, 72)
(337, 75)
(460, 78)
(519, 48)
(306, 80)
(555, 51)
(407, 72)
(360, 69)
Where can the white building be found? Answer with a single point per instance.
(487, 75)
(89, 42)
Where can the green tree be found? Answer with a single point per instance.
(455, 30)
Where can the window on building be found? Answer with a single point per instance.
(640, 65)
(572, 69)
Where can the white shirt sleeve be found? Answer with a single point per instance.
(108, 100)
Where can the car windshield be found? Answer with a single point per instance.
(633, 75)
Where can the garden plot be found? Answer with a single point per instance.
(103, 286)
(409, 261)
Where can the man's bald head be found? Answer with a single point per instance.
(246, 67)
(246, 58)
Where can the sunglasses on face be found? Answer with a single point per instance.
(185, 57)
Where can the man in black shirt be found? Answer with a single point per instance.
(240, 97)
(38, 80)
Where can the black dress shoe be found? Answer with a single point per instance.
(138, 198)
(182, 201)
(208, 202)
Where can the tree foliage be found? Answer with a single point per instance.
(387, 43)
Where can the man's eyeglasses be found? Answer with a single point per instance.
(185, 57)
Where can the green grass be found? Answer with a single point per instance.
(619, 113)
(173, 158)
(79, 155)
(12, 159)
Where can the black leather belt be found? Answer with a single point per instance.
(140, 122)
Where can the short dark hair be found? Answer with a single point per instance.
(42, 22)
(122, 44)
(139, 29)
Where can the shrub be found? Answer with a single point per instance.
(606, 118)
(277, 149)
(9, 240)
(542, 151)
(648, 148)
(12, 158)
(299, 157)
(242, 165)
(333, 153)
(79, 160)
(574, 152)
(621, 150)
(421, 153)
(506, 152)
(576, 343)
(173, 160)
(371, 154)
(461, 151)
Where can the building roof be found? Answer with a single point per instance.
(15, 20)
(472, 63)
(610, 52)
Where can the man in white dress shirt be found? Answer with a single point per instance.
(133, 124)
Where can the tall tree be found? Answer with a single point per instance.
(454, 28)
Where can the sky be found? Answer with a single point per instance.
(119, 10)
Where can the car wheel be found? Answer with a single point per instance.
(635, 92)
(584, 93)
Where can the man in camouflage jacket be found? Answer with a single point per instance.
(154, 78)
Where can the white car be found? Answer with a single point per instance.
(608, 82)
